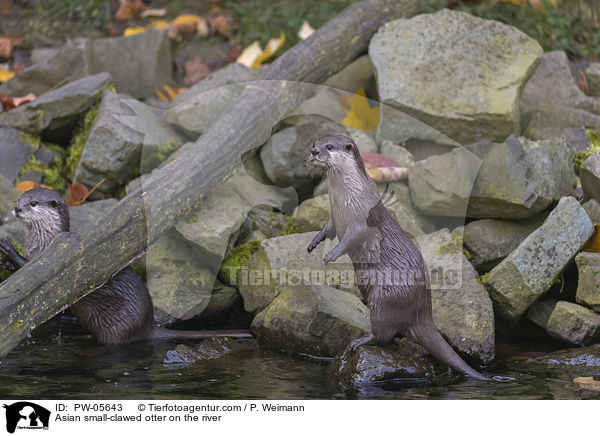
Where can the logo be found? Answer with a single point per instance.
(26, 415)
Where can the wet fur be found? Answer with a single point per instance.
(378, 246)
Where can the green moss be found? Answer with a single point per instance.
(238, 257)
(581, 157)
(454, 245)
(18, 324)
(28, 139)
(482, 279)
(193, 219)
(53, 173)
(291, 227)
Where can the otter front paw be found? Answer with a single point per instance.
(332, 256)
(7, 249)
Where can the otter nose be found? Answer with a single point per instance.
(314, 151)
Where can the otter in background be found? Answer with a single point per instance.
(379, 248)
(119, 311)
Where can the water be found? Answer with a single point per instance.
(58, 362)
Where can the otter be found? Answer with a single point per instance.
(379, 249)
(120, 311)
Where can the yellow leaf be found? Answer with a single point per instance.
(272, 46)
(168, 93)
(5, 75)
(160, 24)
(306, 30)
(134, 30)
(249, 54)
(161, 95)
(358, 112)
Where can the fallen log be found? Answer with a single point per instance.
(76, 264)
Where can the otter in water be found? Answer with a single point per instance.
(391, 273)
(119, 311)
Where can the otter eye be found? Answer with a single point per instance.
(33, 203)
(329, 147)
(348, 146)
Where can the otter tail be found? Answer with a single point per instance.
(430, 338)
(160, 333)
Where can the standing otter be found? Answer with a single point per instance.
(391, 273)
(119, 311)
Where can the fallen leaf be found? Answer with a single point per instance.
(202, 28)
(159, 24)
(582, 83)
(538, 4)
(358, 112)
(594, 242)
(134, 30)
(168, 93)
(129, 9)
(6, 75)
(249, 54)
(8, 42)
(306, 30)
(27, 185)
(6, 7)
(377, 160)
(9, 102)
(272, 46)
(185, 24)
(220, 25)
(154, 13)
(234, 53)
(195, 70)
(78, 193)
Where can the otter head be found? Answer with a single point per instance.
(43, 209)
(337, 153)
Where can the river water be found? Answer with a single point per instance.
(59, 362)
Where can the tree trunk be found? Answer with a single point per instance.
(76, 264)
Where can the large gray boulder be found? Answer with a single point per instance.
(566, 321)
(15, 149)
(398, 360)
(552, 84)
(590, 176)
(550, 121)
(529, 271)
(462, 309)
(126, 137)
(284, 260)
(312, 214)
(516, 179)
(592, 75)
(572, 362)
(456, 72)
(139, 64)
(57, 111)
(592, 207)
(588, 282)
(312, 318)
(51, 67)
(491, 240)
(197, 108)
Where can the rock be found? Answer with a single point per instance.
(462, 309)
(592, 75)
(139, 64)
(396, 361)
(284, 154)
(126, 137)
(365, 141)
(549, 122)
(209, 349)
(588, 283)
(178, 281)
(577, 138)
(50, 68)
(197, 108)
(312, 214)
(575, 324)
(397, 153)
(574, 362)
(15, 150)
(89, 213)
(57, 111)
(491, 240)
(324, 103)
(222, 300)
(311, 319)
(539, 313)
(528, 272)
(437, 191)
(552, 84)
(213, 225)
(455, 72)
(590, 176)
(357, 74)
(261, 223)
(514, 180)
(592, 207)
(284, 261)
(8, 195)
